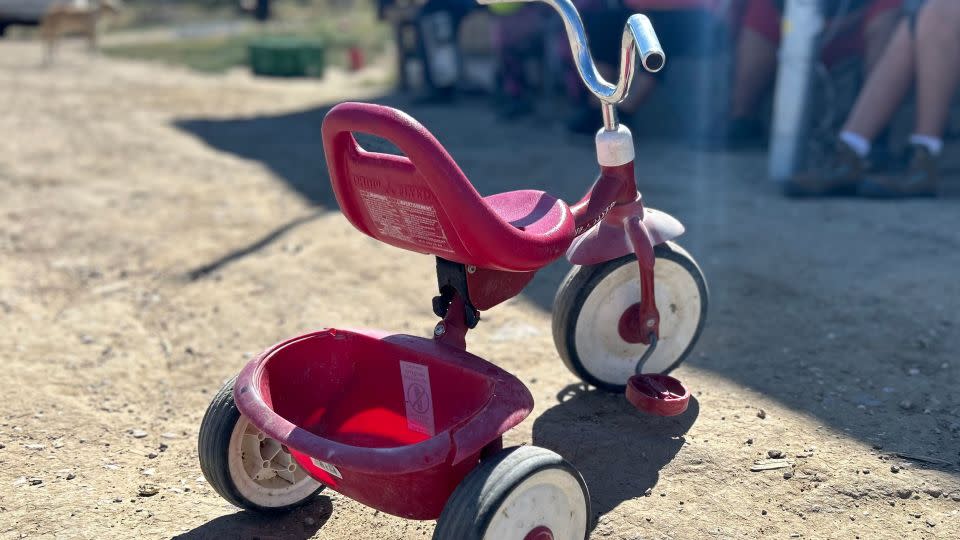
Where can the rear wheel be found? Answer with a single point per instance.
(522, 493)
(246, 467)
(592, 299)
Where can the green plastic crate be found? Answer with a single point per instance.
(287, 57)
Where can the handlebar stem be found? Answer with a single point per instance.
(638, 37)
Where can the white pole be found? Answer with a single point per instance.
(799, 51)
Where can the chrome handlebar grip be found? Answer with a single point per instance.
(638, 37)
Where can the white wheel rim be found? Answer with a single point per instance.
(263, 471)
(601, 349)
(551, 498)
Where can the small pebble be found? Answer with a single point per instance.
(787, 475)
(152, 455)
(931, 523)
(148, 490)
(763, 512)
(904, 493)
(894, 469)
(34, 481)
(2, 446)
(906, 404)
(138, 433)
(866, 471)
(934, 492)
(775, 454)
(761, 414)
(750, 441)
(34, 446)
(70, 476)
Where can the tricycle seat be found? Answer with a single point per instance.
(535, 212)
(422, 201)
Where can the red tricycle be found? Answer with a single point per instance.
(413, 426)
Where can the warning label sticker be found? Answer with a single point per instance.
(418, 398)
(330, 468)
(405, 220)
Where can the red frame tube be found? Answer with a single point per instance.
(614, 186)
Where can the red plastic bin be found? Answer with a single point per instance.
(392, 421)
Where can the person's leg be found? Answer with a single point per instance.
(938, 64)
(755, 66)
(879, 25)
(937, 43)
(756, 56)
(885, 89)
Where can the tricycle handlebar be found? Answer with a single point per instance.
(638, 35)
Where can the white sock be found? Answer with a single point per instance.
(933, 144)
(858, 143)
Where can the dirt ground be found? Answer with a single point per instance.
(157, 228)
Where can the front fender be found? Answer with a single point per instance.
(609, 240)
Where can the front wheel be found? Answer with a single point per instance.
(521, 493)
(592, 299)
(247, 468)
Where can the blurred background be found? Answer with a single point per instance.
(720, 89)
(165, 212)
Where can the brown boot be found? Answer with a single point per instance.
(921, 179)
(840, 177)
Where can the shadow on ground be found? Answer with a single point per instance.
(302, 523)
(618, 450)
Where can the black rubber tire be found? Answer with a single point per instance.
(213, 444)
(580, 282)
(478, 498)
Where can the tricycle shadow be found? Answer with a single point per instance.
(618, 450)
(303, 522)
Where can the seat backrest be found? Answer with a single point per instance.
(417, 201)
